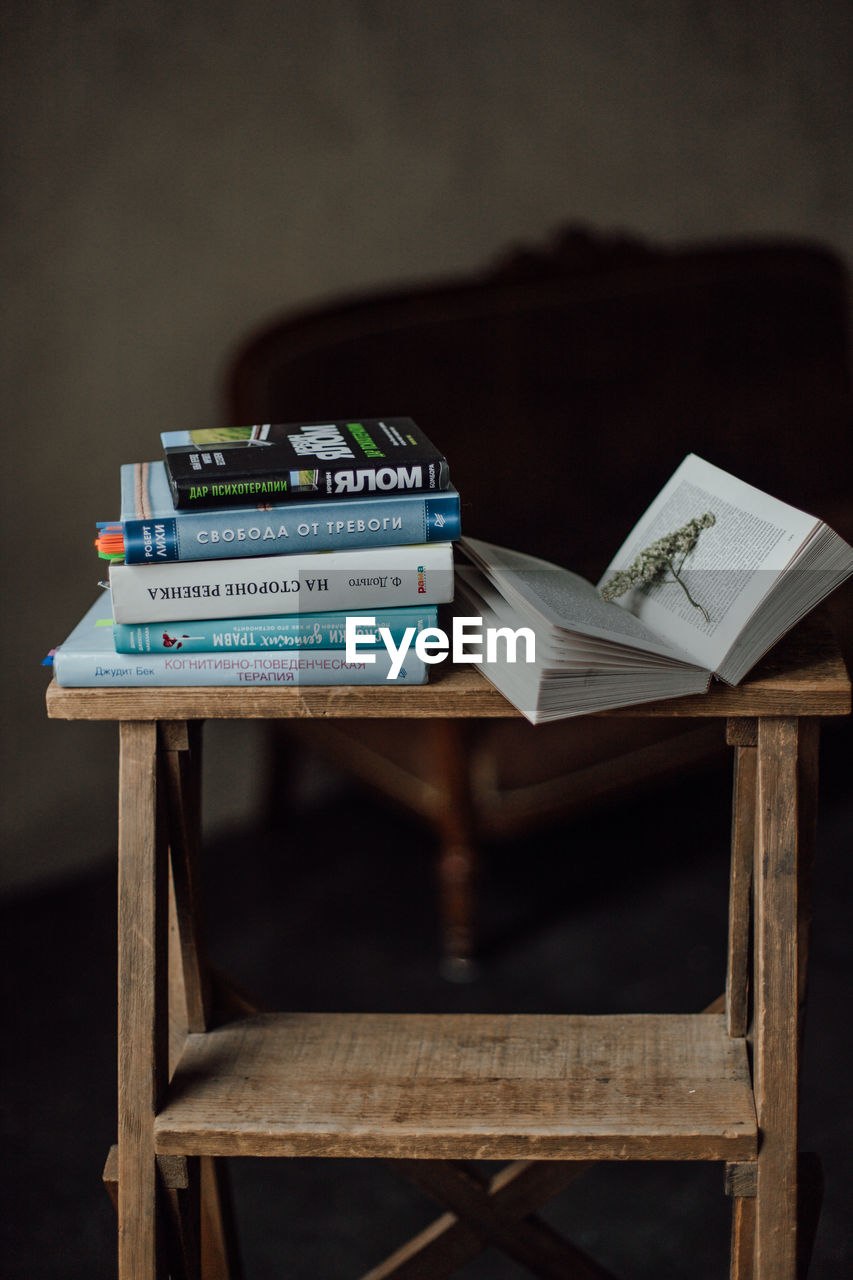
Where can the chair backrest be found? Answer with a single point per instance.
(565, 386)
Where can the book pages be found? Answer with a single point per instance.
(561, 599)
(578, 668)
(732, 568)
(720, 571)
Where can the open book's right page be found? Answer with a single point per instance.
(730, 570)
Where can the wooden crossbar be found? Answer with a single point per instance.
(483, 1213)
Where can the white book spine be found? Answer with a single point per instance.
(259, 586)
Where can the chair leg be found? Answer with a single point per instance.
(457, 856)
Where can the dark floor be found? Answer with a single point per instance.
(622, 911)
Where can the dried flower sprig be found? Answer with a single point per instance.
(658, 559)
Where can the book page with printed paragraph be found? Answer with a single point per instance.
(574, 668)
(735, 566)
(557, 598)
(553, 645)
(823, 563)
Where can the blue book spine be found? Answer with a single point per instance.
(87, 659)
(164, 534)
(293, 633)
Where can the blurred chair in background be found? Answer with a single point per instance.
(565, 385)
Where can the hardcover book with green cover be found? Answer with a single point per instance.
(226, 466)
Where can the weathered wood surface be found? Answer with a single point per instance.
(180, 750)
(446, 1086)
(467, 1087)
(803, 675)
(740, 888)
(526, 1238)
(142, 1004)
(781, 744)
(742, 1254)
(450, 1242)
(517, 1190)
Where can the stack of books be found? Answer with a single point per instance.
(335, 575)
(351, 537)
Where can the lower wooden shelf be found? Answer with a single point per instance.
(463, 1086)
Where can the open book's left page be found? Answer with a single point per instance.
(587, 655)
(551, 597)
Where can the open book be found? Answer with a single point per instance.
(755, 568)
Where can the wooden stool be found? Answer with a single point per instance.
(547, 1094)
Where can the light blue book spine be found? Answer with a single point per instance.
(257, 670)
(87, 659)
(293, 632)
(165, 534)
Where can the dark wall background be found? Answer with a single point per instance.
(176, 173)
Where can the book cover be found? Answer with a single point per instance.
(262, 586)
(295, 632)
(225, 466)
(87, 658)
(153, 531)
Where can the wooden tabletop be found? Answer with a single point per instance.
(804, 675)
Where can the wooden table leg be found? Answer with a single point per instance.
(786, 777)
(142, 1004)
(743, 736)
(210, 1245)
(180, 745)
(741, 1179)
